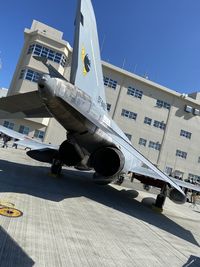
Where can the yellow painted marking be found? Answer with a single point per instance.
(82, 57)
(83, 54)
(10, 212)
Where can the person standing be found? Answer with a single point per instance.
(14, 143)
(5, 141)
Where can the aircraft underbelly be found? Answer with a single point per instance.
(84, 132)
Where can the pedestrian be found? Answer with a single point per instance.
(193, 199)
(14, 143)
(5, 141)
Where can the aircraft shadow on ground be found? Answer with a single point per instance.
(193, 261)
(34, 180)
(11, 254)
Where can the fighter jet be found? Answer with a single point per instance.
(93, 139)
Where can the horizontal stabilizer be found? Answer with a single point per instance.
(26, 105)
(43, 155)
(35, 144)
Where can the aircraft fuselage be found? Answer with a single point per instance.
(75, 111)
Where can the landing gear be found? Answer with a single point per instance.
(119, 180)
(160, 200)
(56, 167)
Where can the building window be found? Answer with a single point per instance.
(181, 154)
(129, 136)
(129, 114)
(178, 174)
(108, 107)
(134, 92)
(110, 83)
(28, 74)
(162, 104)
(50, 54)
(21, 76)
(39, 134)
(147, 120)
(159, 124)
(142, 142)
(168, 170)
(185, 134)
(24, 129)
(188, 109)
(154, 145)
(9, 125)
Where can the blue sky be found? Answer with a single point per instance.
(153, 37)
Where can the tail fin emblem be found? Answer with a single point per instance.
(86, 62)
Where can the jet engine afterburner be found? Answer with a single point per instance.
(69, 154)
(107, 161)
(176, 196)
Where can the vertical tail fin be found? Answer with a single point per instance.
(86, 70)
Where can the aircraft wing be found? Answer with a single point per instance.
(11, 133)
(26, 105)
(25, 140)
(33, 144)
(151, 174)
(153, 170)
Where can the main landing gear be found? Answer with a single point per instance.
(56, 167)
(160, 200)
(119, 180)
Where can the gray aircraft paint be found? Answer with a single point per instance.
(86, 48)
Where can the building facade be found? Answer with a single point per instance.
(161, 123)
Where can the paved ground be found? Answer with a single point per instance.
(73, 222)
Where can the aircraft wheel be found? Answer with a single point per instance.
(119, 180)
(160, 200)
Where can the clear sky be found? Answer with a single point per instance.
(158, 38)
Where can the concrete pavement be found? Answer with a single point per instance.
(73, 222)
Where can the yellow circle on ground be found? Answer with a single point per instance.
(10, 212)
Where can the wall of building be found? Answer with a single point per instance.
(175, 119)
(48, 38)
